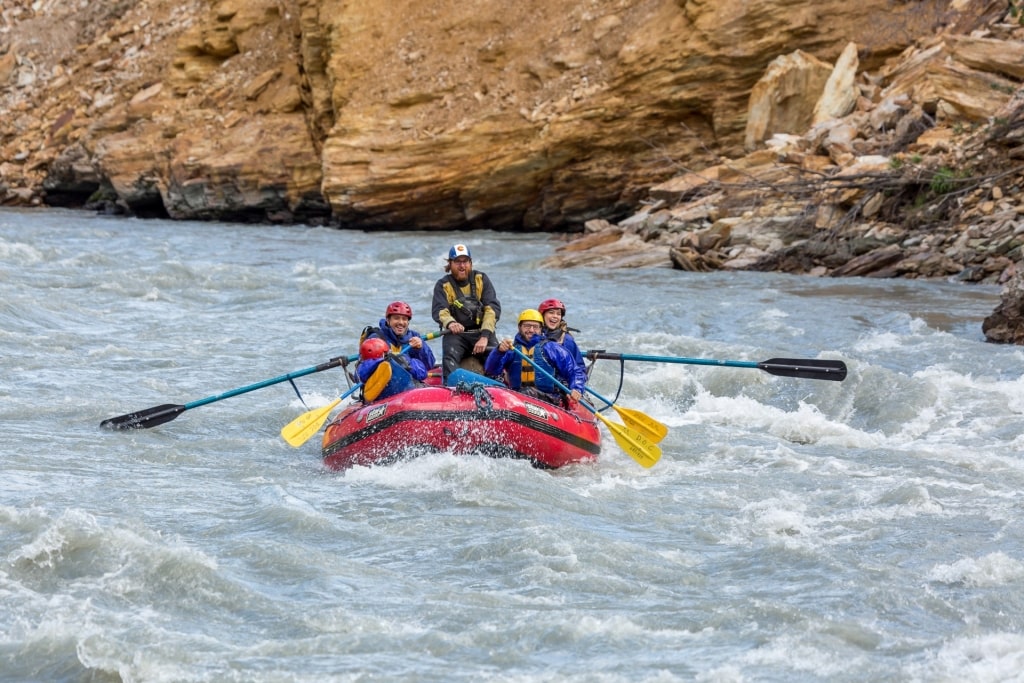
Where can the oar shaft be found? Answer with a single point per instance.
(333, 363)
(632, 442)
(804, 368)
(302, 428)
(599, 396)
(157, 415)
(551, 377)
(671, 359)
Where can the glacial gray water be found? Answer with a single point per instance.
(794, 530)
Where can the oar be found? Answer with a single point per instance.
(804, 368)
(654, 431)
(157, 415)
(299, 430)
(635, 444)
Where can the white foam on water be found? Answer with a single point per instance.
(794, 529)
(807, 424)
(994, 569)
(988, 658)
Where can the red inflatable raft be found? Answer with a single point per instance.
(473, 416)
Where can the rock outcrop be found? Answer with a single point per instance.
(920, 178)
(824, 137)
(427, 114)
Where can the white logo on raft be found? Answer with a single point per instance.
(536, 411)
(376, 413)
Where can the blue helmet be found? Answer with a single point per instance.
(459, 250)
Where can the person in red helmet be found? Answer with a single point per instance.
(374, 348)
(556, 329)
(465, 304)
(552, 358)
(393, 331)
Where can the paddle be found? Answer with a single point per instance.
(634, 443)
(157, 415)
(299, 430)
(654, 431)
(804, 368)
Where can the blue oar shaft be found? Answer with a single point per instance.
(805, 368)
(551, 377)
(333, 363)
(594, 393)
(674, 359)
(350, 391)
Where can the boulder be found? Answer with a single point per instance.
(1005, 324)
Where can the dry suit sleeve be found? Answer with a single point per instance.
(439, 306)
(492, 307)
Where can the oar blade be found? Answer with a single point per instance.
(645, 424)
(299, 430)
(805, 368)
(635, 444)
(144, 419)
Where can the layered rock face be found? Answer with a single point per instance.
(426, 114)
(877, 138)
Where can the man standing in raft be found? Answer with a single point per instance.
(465, 304)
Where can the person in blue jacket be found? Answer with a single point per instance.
(393, 328)
(549, 356)
(556, 329)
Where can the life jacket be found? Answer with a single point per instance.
(467, 310)
(393, 348)
(558, 334)
(530, 377)
(526, 371)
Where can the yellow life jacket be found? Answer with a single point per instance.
(526, 373)
(466, 309)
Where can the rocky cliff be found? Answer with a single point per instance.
(753, 134)
(427, 113)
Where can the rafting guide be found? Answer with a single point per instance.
(465, 304)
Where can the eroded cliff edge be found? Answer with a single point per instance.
(431, 113)
(438, 114)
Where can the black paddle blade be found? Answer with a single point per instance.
(144, 419)
(805, 368)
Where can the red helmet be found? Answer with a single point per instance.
(549, 304)
(373, 348)
(398, 308)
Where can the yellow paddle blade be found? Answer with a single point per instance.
(299, 430)
(378, 380)
(645, 424)
(633, 443)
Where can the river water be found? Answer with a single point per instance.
(794, 530)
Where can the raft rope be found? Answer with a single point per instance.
(593, 355)
(297, 393)
(481, 397)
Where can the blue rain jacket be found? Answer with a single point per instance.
(420, 360)
(552, 358)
